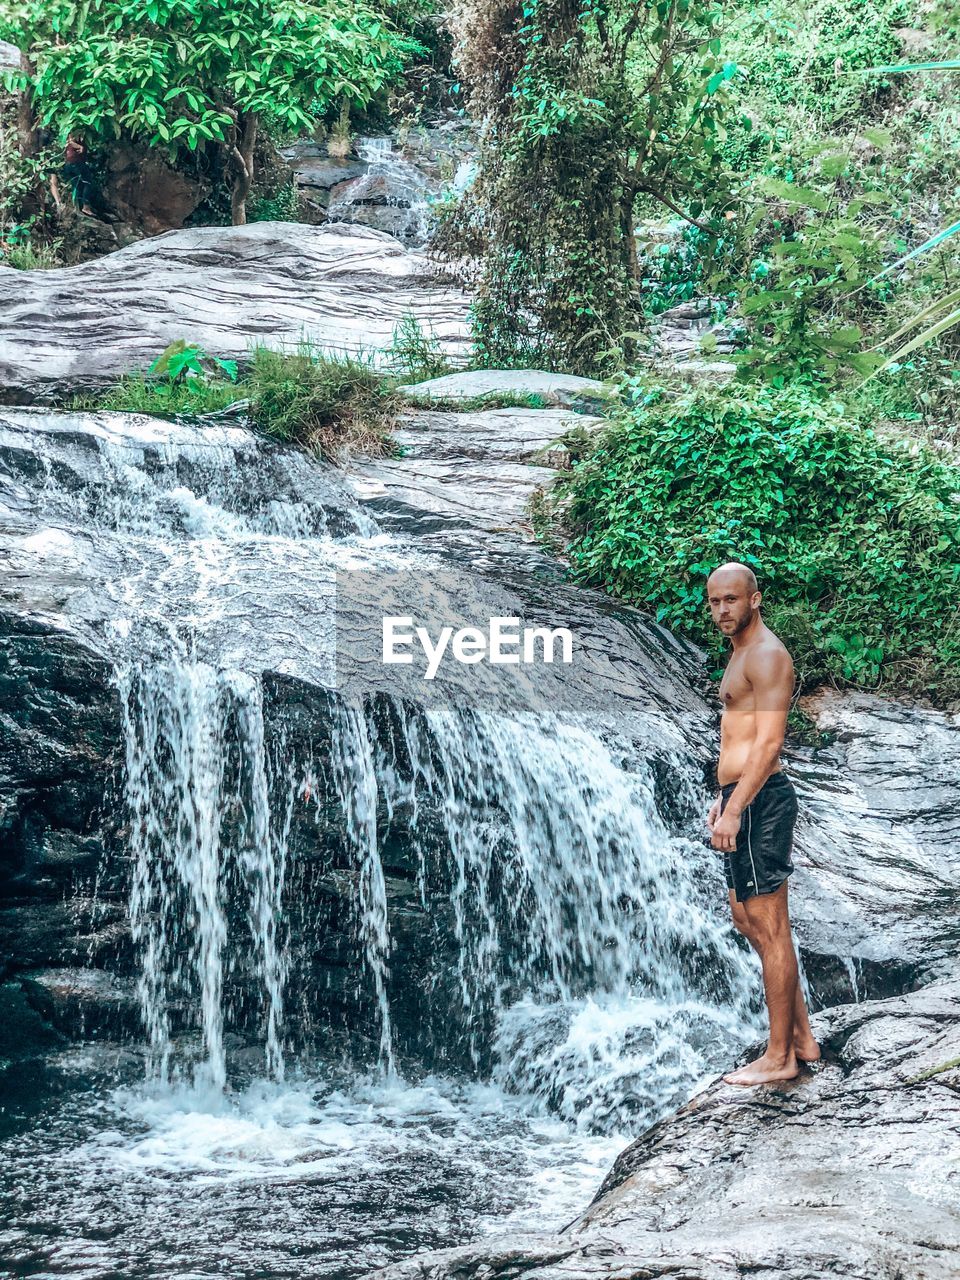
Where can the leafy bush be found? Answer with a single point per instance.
(282, 206)
(808, 58)
(182, 74)
(855, 540)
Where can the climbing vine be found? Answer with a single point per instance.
(586, 107)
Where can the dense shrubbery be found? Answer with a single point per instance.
(855, 539)
(844, 169)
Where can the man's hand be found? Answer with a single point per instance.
(714, 814)
(725, 831)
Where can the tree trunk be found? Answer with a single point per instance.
(240, 145)
(28, 137)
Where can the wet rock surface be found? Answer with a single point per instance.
(868, 926)
(109, 521)
(223, 288)
(878, 854)
(850, 1171)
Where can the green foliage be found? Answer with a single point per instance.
(805, 289)
(330, 405)
(813, 63)
(586, 108)
(282, 206)
(23, 254)
(855, 540)
(841, 171)
(161, 398)
(170, 71)
(677, 270)
(478, 404)
(182, 73)
(20, 175)
(416, 354)
(179, 361)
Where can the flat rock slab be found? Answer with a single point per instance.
(467, 471)
(453, 493)
(344, 288)
(556, 390)
(513, 435)
(853, 1171)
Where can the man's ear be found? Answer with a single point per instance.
(756, 598)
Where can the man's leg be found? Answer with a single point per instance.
(804, 1042)
(769, 925)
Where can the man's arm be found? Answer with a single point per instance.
(771, 675)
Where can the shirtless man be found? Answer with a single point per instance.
(752, 818)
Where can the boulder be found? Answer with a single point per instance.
(849, 1171)
(144, 189)
(343, 288)
(878, 846)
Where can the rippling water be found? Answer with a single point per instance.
(327, 1175)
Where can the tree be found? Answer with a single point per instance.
(185, 73)
(586, 107)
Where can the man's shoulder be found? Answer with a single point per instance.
(769, 654)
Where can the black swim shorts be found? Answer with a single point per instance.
(761, 861)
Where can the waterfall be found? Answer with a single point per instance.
(200, 819)
(389, 180)
(566, 890)
(557, 935)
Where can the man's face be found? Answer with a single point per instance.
(731, 603)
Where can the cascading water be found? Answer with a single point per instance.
(389, 180)
(537, 954)
(565, 889)
(195, 823)
(393, 180)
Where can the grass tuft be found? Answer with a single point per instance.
(329, 405)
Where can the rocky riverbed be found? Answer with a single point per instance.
(851, 1171)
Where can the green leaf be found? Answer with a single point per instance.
(952, 64)
(806, 197)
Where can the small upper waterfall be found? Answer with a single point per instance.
(391, 180)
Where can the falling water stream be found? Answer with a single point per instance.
(535, 955)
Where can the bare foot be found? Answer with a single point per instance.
(806, 1050)
(765, 1070)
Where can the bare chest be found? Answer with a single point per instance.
(736, 692)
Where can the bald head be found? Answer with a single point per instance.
(734, 598)
(734, 571)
